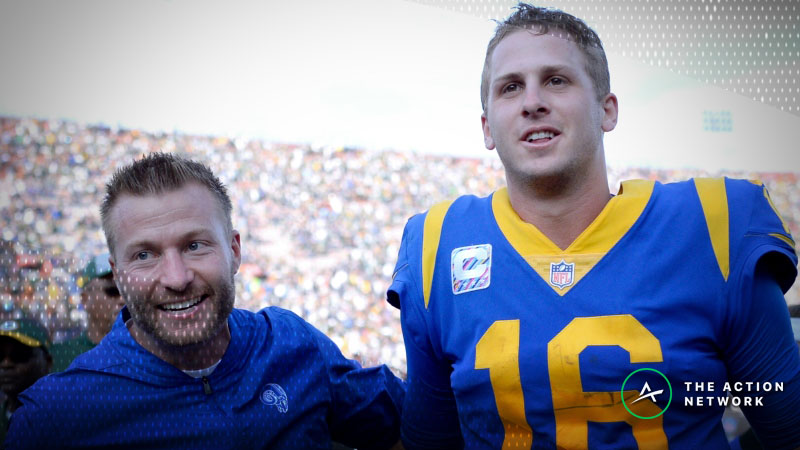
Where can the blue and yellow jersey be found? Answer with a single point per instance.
(513, 342)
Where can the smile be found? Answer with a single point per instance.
(540, 135)
(182, 305)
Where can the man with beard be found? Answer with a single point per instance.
(183, 368)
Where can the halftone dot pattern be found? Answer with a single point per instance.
(124, 396)
(750, 47)
(320, 227)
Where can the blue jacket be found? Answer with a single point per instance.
(280, 384)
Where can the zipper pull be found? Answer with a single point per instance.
(207, 386)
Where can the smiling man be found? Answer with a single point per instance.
(553, 314)
(181, 367)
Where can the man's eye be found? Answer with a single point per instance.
(510, 87)
(142, 256)
(557, 81)
(195, 246)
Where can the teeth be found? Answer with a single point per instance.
(182, 305)
(540, 135)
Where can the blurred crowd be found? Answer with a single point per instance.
(320, 227)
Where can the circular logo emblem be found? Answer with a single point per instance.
(274, 395)
(646, 392)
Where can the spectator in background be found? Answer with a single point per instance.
(102, 301)
(24, 358)
(181, 366)
(328, 225)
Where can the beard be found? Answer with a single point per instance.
(196, 333)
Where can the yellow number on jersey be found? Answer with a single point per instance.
(498, 351)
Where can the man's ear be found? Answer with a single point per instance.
(113, 265)
(488, 141)
(236, 250)
(115, 273)
(611, 111)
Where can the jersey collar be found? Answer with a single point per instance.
(613, 222)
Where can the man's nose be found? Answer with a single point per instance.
(175, 274)
(534, 102)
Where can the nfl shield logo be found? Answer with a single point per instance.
(561, 274)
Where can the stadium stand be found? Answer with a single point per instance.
(320, 226)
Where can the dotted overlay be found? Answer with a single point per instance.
(750, 47)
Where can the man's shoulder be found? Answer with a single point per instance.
(275, 318)
(71, 389)
(455, 210)
(740, 220)
(742, 199)
(290, 333)
(732, 186)
(464, 204)
(269, 313)
(738, 196)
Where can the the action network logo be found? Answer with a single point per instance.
(646, 392)
(650, 384)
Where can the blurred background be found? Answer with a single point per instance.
(333, 122)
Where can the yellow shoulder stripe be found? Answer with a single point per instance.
(714, 200)
(788, 237)
(430, 244)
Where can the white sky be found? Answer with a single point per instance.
(375, 74)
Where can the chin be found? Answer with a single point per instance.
(185, 338)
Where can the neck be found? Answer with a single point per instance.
(185, 357)
(560, 212)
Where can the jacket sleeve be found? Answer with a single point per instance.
(33, 426)
(365, 402)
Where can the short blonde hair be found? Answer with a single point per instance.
(542, 21)
(157, 173)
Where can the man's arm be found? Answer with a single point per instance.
(430, 417)
(762, 348)
(31, 426)
(366, 402)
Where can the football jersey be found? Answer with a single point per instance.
(592, 346)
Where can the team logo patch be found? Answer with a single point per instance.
(274, 395)
(470, 268)
(562, 274)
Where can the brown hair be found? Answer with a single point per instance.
(541, 21)
(157, 173)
